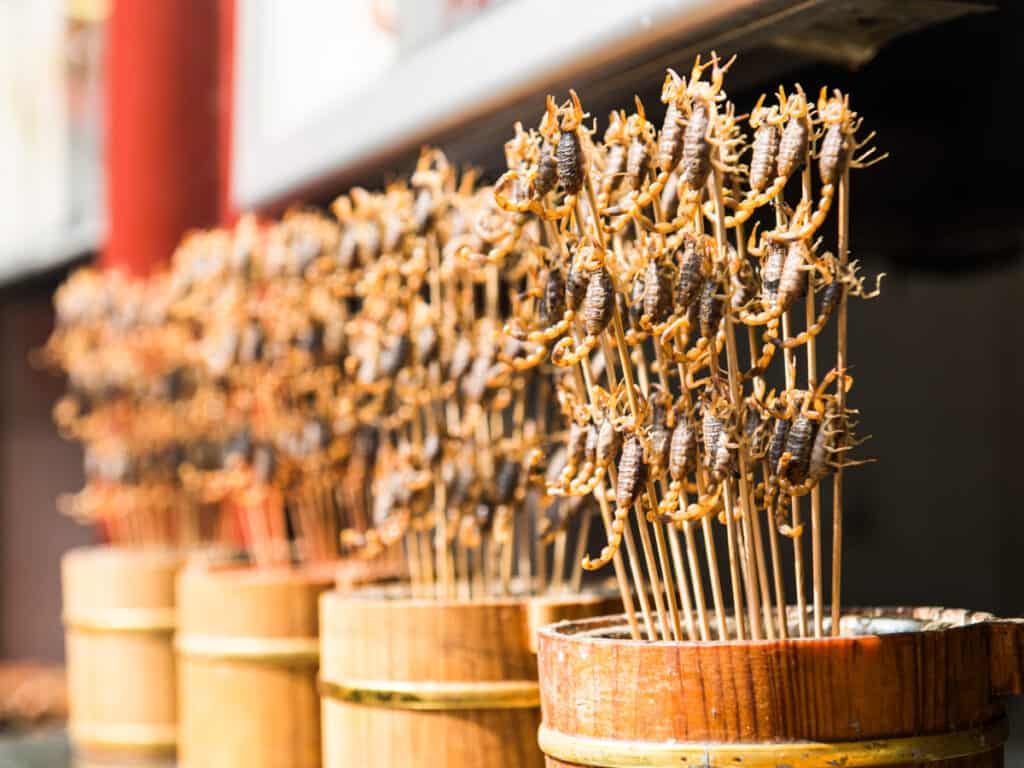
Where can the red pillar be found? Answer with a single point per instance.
(165, 134)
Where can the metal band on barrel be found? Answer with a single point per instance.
(911, 750)
(149, 737)
(123, 620)
(499, 694)
(265, 650)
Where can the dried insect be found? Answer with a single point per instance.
(554, 316)
(795, 142)
(632, 479)
(566, 162)
(569, 154)
(794, 465)
(694, 264)
(667, 157)
(657, 296)
(766, 122)
(585, 473)
(609, 441)
(597, 310)
(641, 137)
(615, 142)
(835, 156)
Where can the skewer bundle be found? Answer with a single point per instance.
(672, 281)
(340, 382)
(464, 371)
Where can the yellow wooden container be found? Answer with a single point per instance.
(411, 683)
(119, 621)
(248, 653)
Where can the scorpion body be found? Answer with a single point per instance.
(575, 288)
(632, 478)
(657, 296)
(696, 147)
(569, 156)
(799, 442)
(670, 139)
(547, 170)
(711, 308)
(690, 278)
(553, 305)
(598, 303)
(796, 136)
(764, 153)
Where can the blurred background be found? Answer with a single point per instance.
(125, 123)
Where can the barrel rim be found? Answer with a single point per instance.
(167, 556)
(586, 630)
(391, 595)
(869, 753)
(249, 575)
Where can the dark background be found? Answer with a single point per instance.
(938, 520)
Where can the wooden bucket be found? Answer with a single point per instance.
(247, 662)
(901, 687)
(119, 622)
(409, 683)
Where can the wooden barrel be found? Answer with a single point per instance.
(119, 622)
(900, 687)
(247, 663)
(411, 682)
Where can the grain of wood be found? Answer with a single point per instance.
(121, 681)
(831, 689)
(374, 637)
(253, 713)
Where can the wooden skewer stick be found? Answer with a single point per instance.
(627, 374)
(673, 533)
(841, 350)
(812, 376)
(445, 566)
(521, 521)
(695, 574)
(762, 570)
(585, 380)
(734, 576)
(798, 552)
(812, 380)
(558, 564)
(773, 542)
(645, 536)
(732, 359)
(706, 526)
(576, 579)
(585, 383)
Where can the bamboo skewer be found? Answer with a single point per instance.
(627, 374)
(732, 359)
(675, 549)
(383, 329)
(798, 555)
(841, 350)
(585, 382)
